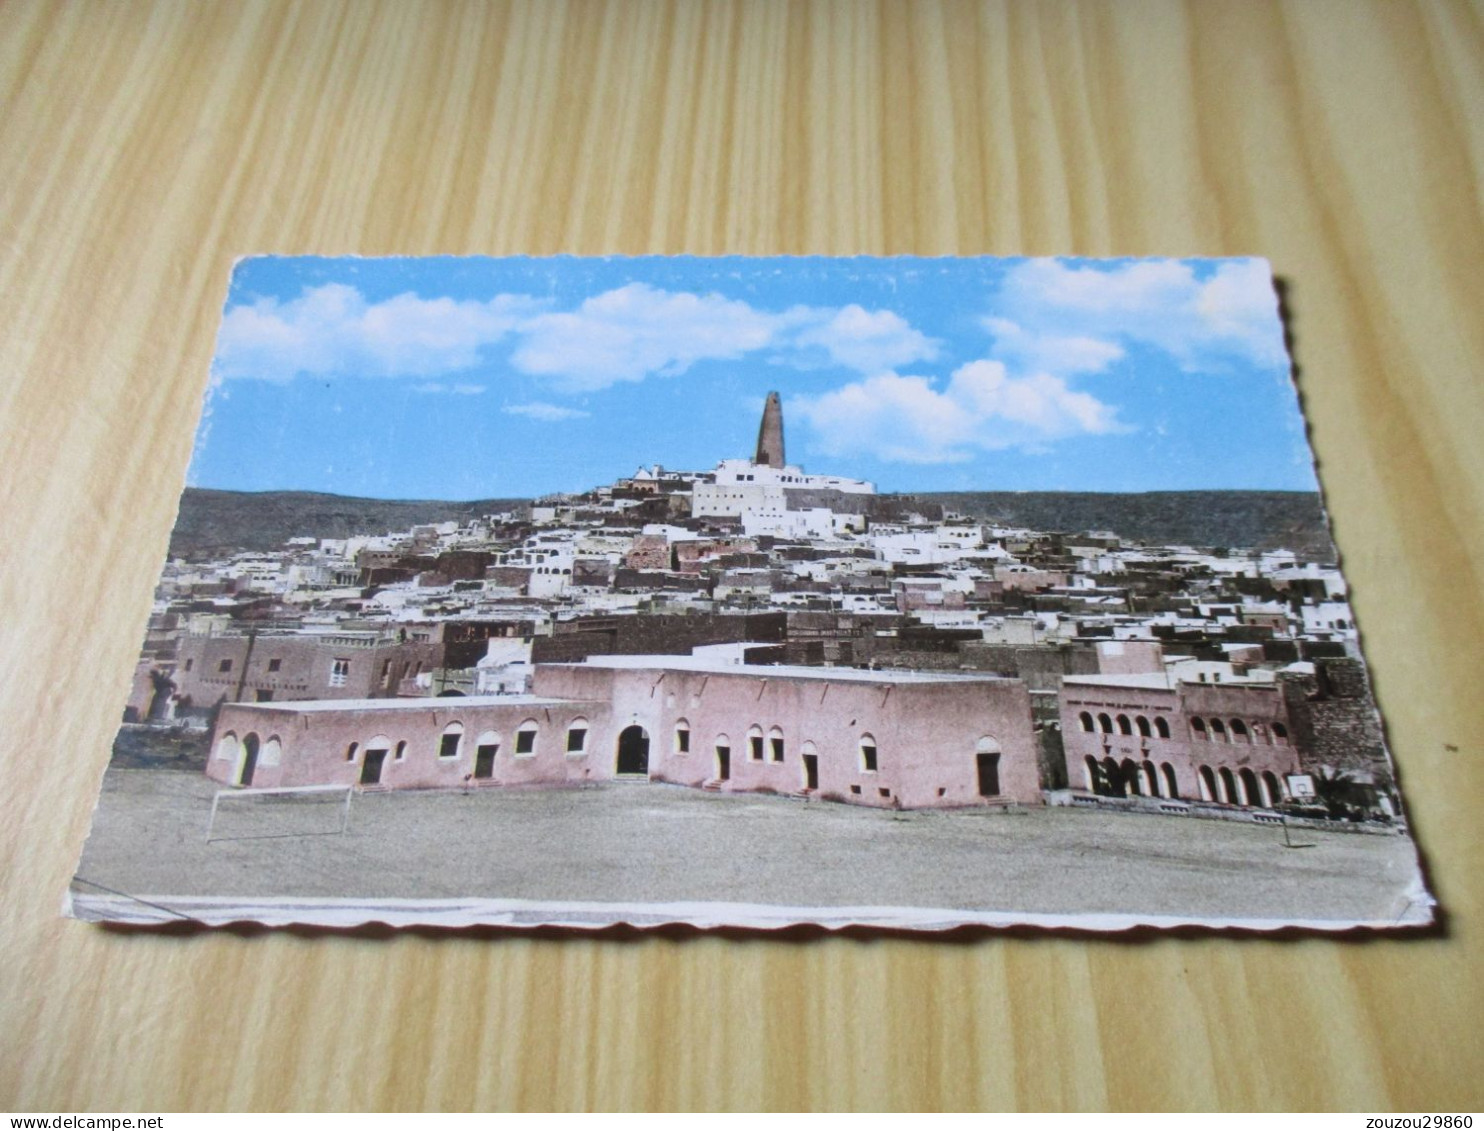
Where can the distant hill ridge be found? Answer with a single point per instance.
(1261, 520)
(213, 523)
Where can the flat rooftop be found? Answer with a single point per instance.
(452, 702)
(1150, 681)
(779, 671)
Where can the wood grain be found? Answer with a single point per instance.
(144, 146)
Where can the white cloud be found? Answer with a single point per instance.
(905, 419)
(457, 390)
(625, 334)
(539, 410)
(1232, 315)
(1050, 353)
(332, 329)
(637, 330)
(866, 341)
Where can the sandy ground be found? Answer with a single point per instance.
(660, 844)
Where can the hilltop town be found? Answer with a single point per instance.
(1102, 671)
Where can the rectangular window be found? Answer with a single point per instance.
(449, 746)
(525, 741)
(777, 745)
(386, 670)
(576, 740)
(224, 666)
(189, 664)
(868, 757)
(274, 665)
(682, 742)
(339, 673)
(755, 747)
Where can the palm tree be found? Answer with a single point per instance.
(1333, 787)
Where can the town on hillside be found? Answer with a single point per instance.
(754, 627)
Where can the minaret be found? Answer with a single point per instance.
(770, 434)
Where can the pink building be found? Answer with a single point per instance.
(895, 739)
(1154, 736)
(332, 665)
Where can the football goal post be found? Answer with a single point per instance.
(288, 811)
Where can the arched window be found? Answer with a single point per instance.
(227, 748)
(453, 737)
(350, 751)
(1198, 725)
(1218, 731)
(1161, 726)
(755, 744)
(1085, 718)
(577, 736)
(1142, 724)
(868, 753)
(1105, 724)
(1208, 785)
(1113, 777)
(775, 744)
(1239, 731)
(1124, 726)
(525, 738)
(1090, 772)
(1280, 734)
(401, 750)
(682, 737)
(1171, 789)
(271, 753)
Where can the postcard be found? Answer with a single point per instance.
(751, 592)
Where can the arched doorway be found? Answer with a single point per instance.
(249, 759)
(374, 759)
(1171, 789)
(1151, 779)
(1250, 794)
(1228, 786)
(1270, 786)
(1129, 773)
(633, 751)
(1208, 785)
(987, 766)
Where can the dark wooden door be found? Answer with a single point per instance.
(371, 767)
(484, 760)
(633, 751)
(989, 775)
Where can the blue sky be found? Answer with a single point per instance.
(461, 378)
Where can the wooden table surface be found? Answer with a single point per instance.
(143, 147)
